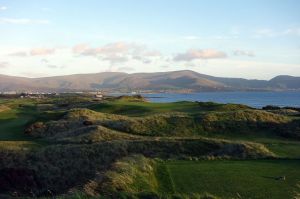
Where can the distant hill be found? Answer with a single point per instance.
(171, 81)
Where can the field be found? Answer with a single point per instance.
(185, 148)
(235, 179)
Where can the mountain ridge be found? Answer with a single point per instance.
(158, 81)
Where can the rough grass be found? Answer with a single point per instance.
(131, 174)
(281, 147)
(243, 121)
(138, 177)
(61, 167)
(93, 134)
(18, 145)
(236, 179)
(166, 130)
(12, 125)
(178, 124)
(138, 108)
(284, 149)
(4, 108)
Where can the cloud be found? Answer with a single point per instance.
(34, 52)
(19, 54)
(3, 8)
(22, 21)
(190, 37)
(243, 53)
(126, 69)
(120, 47)
(199, 54)
(34, 74)
(164, 66)
(109, 49)
(115, 59)
(79, 48)
(42, 51)
(142, 59)
(153, 53)
(118, 52)
(45, 61)
(4, 64)
(147, 61)
(52, 66)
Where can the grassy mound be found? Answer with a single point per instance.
(285, 111)
(4, 108)
(136, 177)
(242, 121)
(59, 168)
(154, 125)
(131, 98)
(79, 146)
(171, 124)
(141, 108)
(212, 106)
(93, 134)
(131, 174)
(200, 147)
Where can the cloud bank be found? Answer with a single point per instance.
(199, 54)
(243, 53)
(42, 51)
(118, 52)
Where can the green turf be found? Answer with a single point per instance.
(227, 179)
(284, 149)
(235, 179)
(142, 108)
(14, 121)
(281, 147)
(12, 125)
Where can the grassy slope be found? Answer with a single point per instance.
(249, 179)
(253, 179)
(141, 108)
(282, 147)
(184, 174)
(14, 121)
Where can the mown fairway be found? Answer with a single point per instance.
(141, 108)
(12, 125)
(13, 121)
(233, 179)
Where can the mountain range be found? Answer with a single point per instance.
(161, 81)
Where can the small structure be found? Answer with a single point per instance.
(99, 95)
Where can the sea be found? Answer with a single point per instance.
(253, 99)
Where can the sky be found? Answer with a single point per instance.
(253, 39)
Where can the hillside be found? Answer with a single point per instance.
(171, 81)
(126, 147)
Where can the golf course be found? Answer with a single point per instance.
(73, 146)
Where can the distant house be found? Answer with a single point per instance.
(99, 95)
(9, 92)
